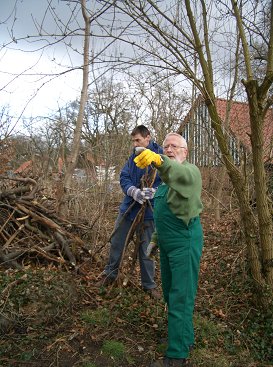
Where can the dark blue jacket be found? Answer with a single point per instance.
(131, 175)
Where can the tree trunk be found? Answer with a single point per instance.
(240, 187)
(262, 202)
(73, 158)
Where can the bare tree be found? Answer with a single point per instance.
(178, 33)
(72, 161)
(67, 34)
(165, 105)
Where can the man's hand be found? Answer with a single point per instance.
(151, 250)
(147, 157)
(148, 192)
(136, 194)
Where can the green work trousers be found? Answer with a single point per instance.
(180, 252)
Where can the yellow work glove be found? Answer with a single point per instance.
(147, 157)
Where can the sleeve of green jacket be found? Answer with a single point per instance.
(185, 186)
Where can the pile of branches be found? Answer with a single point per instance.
(30, 228)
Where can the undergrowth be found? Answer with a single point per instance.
(53, 317)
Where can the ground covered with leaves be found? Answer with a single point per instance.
(52, 316)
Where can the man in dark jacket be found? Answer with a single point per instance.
(131, 182)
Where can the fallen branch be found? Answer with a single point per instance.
(66, 248)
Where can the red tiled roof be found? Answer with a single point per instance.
(240, 123)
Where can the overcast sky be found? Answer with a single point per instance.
(31, 56)
(26, 57)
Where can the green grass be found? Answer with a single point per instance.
(114, 349)
(100, 317)
(39, 302)
(208, 332)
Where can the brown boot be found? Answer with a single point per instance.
(153, 293)
(104, 281)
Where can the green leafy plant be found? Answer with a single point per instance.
(259, 334)
(26, 356)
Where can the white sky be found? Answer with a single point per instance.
(20, 57)
(33, 89)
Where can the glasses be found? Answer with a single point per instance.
(172, 146)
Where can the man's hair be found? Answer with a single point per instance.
(183, 140)
(142, 130)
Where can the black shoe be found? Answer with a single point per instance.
(179, 362)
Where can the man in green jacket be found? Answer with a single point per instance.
(179, 237)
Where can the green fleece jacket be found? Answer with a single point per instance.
(185, 185)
